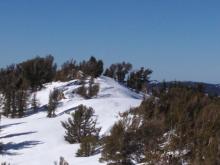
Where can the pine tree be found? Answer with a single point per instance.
(93, 88)
(68, 71)
(21, 101)
(81, 125)
(53, 102)
(21, 96)
(82, 90)
(38, 71)
(8, 82)
(118, 71)
(1, 145)
(7, 104)
(92, 67)
(108, 73)
(88, 146)
(34, 102)
(99, 68)
(138, 80)
(119, 146)
(14, 89)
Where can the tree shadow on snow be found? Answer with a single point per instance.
(8, 125)
(68, 111)
(17, 134)
(30, 111)
(6, 150)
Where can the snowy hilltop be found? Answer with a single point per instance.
(86, 115)
(36, 139)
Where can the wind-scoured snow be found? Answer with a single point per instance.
(36, 139)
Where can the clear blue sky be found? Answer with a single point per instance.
(177, 39)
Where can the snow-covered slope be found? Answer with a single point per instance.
(38, 140)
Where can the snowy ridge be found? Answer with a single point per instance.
(36, 139)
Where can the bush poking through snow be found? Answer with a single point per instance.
(81, 125)
(61, 162)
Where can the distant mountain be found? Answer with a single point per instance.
(211, 89)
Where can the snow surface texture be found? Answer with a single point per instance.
(38, 140)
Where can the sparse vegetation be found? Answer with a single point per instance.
(90, 91)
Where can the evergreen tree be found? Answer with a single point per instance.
(88, 146)
(81, 125)
(118, 71)
(34, 102)
(93, 88)
(38, 71)
(68, 71)
(7, 104)
(99, 68)
(53, 103)
(138, 80)
(1, 145)
(21, 96)
(122, 145)
(82, 90)
(14, 88)
(8, 80)
(93, 67)
(13, 103)
(21, 101)
(108, 73)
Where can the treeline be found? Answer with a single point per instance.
(72, 70)
(19, 81)
(122, 72)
